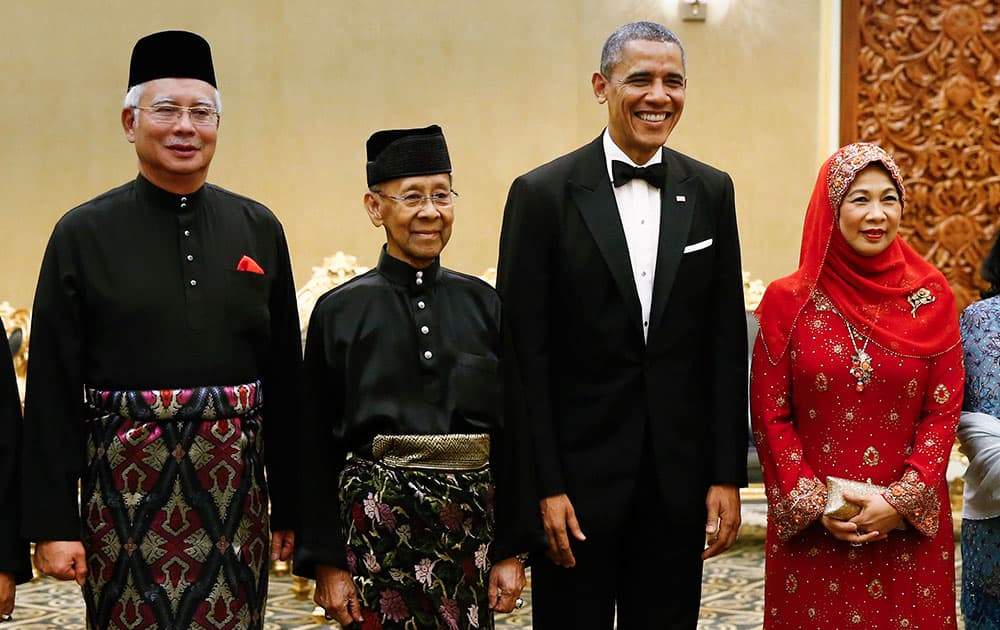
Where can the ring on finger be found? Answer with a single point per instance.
(518, 603)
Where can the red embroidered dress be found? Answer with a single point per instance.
(812, 419)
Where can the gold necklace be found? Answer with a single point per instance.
(861, 362)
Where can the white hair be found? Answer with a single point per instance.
(134, 96)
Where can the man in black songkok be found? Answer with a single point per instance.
(403, 419)
(168, 304)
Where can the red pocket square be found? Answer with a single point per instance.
(249, 264)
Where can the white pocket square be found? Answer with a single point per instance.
(696, 246)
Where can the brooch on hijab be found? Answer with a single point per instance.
(920, 297)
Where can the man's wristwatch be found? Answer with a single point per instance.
(522, 558)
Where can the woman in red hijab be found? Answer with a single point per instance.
(857, 374)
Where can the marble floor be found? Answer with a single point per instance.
(732, 594)
(731, 600)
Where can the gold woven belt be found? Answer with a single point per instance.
(459, 451)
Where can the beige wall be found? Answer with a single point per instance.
(304, 82)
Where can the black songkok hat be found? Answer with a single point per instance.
(171, 54)
(396, 153)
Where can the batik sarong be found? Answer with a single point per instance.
(174, 509)
(418, 544)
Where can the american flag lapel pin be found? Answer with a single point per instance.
(681, 198)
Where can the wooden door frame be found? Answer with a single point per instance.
(850, 46)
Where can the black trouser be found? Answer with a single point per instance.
(646, 569)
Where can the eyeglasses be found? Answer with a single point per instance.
(414, 201)
(199, 114)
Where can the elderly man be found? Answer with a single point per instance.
(15, 563)
(165, 349)
(403, 416)
(620, 278)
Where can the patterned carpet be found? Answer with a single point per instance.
(732, 599)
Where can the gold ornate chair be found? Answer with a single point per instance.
(334, 271)
(17, 322)
(753, 291)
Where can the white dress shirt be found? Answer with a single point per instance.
(639, 209)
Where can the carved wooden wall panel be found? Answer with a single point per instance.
(922, 79)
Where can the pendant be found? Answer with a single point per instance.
(861, 370)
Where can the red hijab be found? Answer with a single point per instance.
(896, 297)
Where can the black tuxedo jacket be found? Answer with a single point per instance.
(587, 388)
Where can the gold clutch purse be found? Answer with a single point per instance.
(836, 506)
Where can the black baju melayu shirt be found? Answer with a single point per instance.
(139, 289)
(14, 557)
(396, 350)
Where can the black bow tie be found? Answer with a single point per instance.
(623, 173)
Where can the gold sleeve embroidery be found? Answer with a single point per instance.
(800, 507)
(917, 502)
